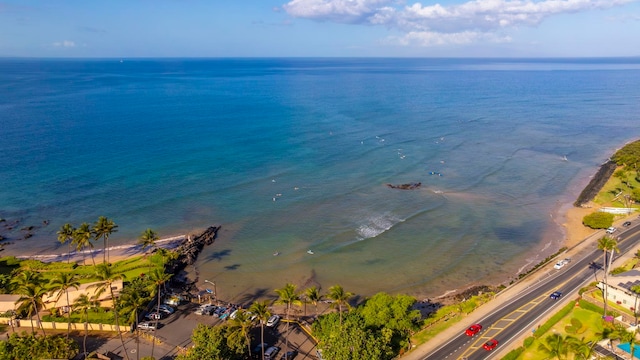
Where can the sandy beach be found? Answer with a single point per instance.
(116, 253)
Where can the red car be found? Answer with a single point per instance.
(490, 345)
(473, 329)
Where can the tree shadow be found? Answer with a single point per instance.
(218, 255)
(232, 267)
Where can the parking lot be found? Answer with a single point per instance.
(175, 330)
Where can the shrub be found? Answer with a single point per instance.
(514, 354)
(554, 319)
(598, 220)
(528, 341)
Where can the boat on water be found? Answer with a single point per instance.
(310, 252)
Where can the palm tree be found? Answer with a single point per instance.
(133, 302)
(288, 296)
(65, 235)
(84, 304)
(62, 282)
(30, 285)
(241, 326)
(555, 346)
(627, 337)
(261, 310)
(581, 349)
(148, 240)
(339, 297)
(605, 244)
(158, 278)
(82, 238)
(636, 291)
(314, 296)
(106, 277)
(102, 229)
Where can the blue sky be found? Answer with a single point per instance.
(325, 28)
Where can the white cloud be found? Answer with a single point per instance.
(64, 44)
(342, 11)
(475, 20)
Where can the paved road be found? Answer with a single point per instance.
(523, 312)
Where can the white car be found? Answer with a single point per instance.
(273, 321)
(560, 264)
(611, 230)
(146, 326)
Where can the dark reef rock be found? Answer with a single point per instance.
(597, 182)
(409, 186)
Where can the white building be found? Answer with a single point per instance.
(619, 289)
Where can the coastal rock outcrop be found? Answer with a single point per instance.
(408, 186)
(597, 182)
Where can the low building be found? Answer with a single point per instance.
(619, 289)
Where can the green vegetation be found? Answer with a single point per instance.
(29, 346)
(623, 189)
(598, 220)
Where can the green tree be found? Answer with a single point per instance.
(133, 302)
(313, 296)
(598, 220)
(605, 244)
(340, 298)
(289, 297)
(61, 283)
(30, 286)
(350, 338)
(239, 331)
(158, 278)
(261, 310)
(103, 228)
(82, 239)
(210, 342)
(554, 346)
(581, 349)
(83, 304)
(29, 346)
(395, 313)
(148, 239)
(106, 277)
(636, 292)
(65, 236)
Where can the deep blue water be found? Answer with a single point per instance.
(294, 154)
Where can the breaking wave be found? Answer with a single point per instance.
(377, 225)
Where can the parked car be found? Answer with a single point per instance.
(271, 352)
(490, 345)
(206, 309)
(219, 311)
(560, 264)
(146, 325)
(289, 355)
(555, 295)
(473, 329)
(172, 300)
(273, 321)
(611, 230)
(257, 351)
(167, 308)
(154, 316)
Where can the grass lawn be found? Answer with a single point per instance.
(606, 196)
(591, 325)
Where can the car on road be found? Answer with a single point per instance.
(273, 321)
(490, 345)
(289, 355)
(626, 223)
(611, 230)
(560, 264)
(146, 325)
(473, 329)
(555, 295)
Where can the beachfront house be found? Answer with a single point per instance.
(619, 289)
(90, 289)
(8, 303)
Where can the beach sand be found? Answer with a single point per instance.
(575, 232)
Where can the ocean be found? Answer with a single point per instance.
(293, 157)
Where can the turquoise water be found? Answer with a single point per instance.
(294, 154)
(626, 347)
